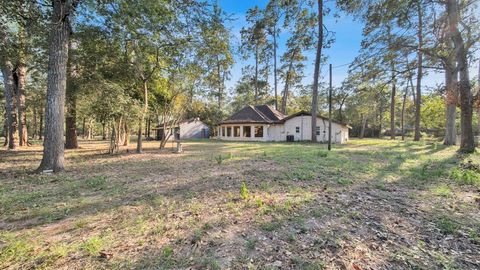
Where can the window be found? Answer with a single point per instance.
(223, 131)
(258, 131)
(236, 131)
(247, 131)
(229, 131)
(297, 129)
(318, 130)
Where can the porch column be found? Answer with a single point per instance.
(241, 131)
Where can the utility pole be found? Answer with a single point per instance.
(330, 110)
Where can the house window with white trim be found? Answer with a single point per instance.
(318, 130)
(236, 131)
(258, 131)
(229, 131)
(247, 131)
(297, 129)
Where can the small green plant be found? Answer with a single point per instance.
(97, 182)
(92, 245)
(244, 191)
(219, 159)
(322, 153)
(447, 225)
(443, 191)
(344, 181)
(250, 244)
(167, 252)
(270, 226)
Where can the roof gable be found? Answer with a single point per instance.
(255, 114)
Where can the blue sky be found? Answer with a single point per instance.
(348, 36)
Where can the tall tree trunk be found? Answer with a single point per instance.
(451, 101)
(5, 130)
(219, 85)
(392, 104)
(275, 64)
(467, 143)
(71, 102)
(21, 72)
(83, 128)
(418, 99)
(104, 132)
(316, 73)
(40, 125)
(53, 146)
(126, 142)
(256, 74)
(364, 125)
(142, 117)
(402, 120)
(287, 86)
(35, 122)
(11, 102)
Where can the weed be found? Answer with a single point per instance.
(92, 245)
(219, 159)
(443, 191)
(250, 244)
(465, 176)
(167, 252)
(322, 153)
(344, 181)
(244, 192)
(97, 182)
(447, 225)
(270, 226)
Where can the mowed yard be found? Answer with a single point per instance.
(369, 204)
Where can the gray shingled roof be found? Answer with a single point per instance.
(255, 114)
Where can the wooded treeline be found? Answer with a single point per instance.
(120, 67)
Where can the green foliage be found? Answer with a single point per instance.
(244, 191)
(447, 225)
(97, 182)
(92, 245)
(465, 176)
(219, 159)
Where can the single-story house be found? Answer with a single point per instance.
(264, 123)
(191, 128)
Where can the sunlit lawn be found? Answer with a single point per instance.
(375, 204)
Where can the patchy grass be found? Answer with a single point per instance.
(370, 204)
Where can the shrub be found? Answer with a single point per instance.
(219, 159)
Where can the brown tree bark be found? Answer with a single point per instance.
(402, 120)
(451, 101)
(142, 117)
(11, 102)
(126, 142)
(467, 143)
(316, 73)
(364, 124)
(53, 146)
(40, 125)
(392, 104)
(418, 98)
(71, 141)
(21, 74)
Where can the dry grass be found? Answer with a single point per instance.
(370, 204)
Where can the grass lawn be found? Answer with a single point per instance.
(369, 204)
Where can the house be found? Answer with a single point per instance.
(191, 128)
(264, 123)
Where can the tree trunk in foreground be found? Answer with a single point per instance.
(402, 120)
(451, 100)
(418, 99)
(364, 124)
(467, 143)
(392, 105)
(71, 100)
(53, 146)
(21, 73)
(142, 118)
(11, 102)
(316, 72)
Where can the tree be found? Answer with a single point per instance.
(254, 40)
(316, 73)
(467, 143)
(53, 148)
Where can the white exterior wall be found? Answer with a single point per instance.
(193, 129)
(279, 132)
